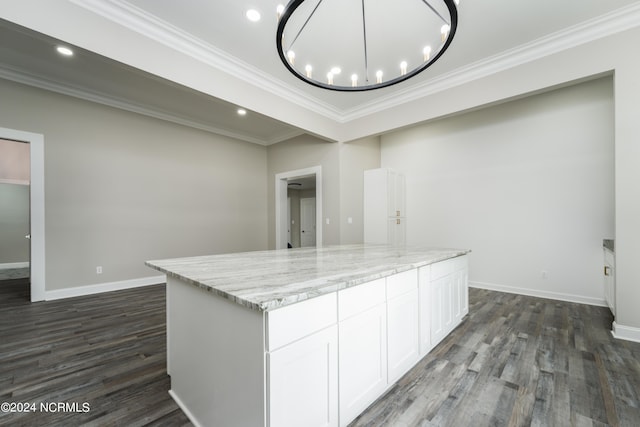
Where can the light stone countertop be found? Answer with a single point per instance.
(266, 280)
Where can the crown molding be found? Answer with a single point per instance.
(605, 25)
(30, 79)
(284, 136)
(150, 26)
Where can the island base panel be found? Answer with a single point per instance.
(215, 357)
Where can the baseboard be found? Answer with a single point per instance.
(540, 294)
(628, 333)
(12, 265)
(103, 287)
(182, 406)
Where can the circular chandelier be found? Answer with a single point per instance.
(358, 45)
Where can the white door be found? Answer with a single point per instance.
(288, 220)
(308, 222)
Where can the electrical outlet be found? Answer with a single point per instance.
(99, 269)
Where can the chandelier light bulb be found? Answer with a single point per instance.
(279, 10)
(457, 2)
(308, 69)
(403, 68)
(330, 78)
(336, 70)
(444, 31)
(379, 76)
(426, 53)
(292, 56)
(354, 80)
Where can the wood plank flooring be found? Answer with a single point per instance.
(519, 361)
(108, 350)
(515, 361)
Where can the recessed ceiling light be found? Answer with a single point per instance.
(253, 15)
(242, 112)
(64, 51)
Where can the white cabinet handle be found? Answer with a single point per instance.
(28, 236)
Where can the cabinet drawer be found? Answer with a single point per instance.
(402, 283)
(442, 268)
(360, 298)
(290, 323)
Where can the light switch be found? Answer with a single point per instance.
(349, 220)
(327, 221)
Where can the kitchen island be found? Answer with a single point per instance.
(305, 336)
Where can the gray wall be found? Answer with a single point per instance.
(527, 185)
(122, 188)
(343, 166)
(304, 152)
(14, 223)
(355, 157)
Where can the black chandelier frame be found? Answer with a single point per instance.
(294, 4)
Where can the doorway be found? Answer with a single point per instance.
(34, 195)
(290, 188)
(14, 212)
(308, 222)
(301, 212)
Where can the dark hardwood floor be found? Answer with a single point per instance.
(519, 361)
(515, 361)
(107, 350)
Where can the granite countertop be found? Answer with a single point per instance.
(265, 280)
(609, 244)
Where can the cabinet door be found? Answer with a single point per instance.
(465, 292)
(396, 231)
(456, 297)
(441, 309)
(402, 334)
(362, 361)
(424, 309)
(303, 382)
(448, 305)
(399, 198)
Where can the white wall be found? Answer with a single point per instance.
(527, 185)
(122, 188)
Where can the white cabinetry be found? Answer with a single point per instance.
(363, 347)
(449, 296)
(424, 309)
(303, 382)
(319, 362)
(302, 363)
(402, 323)
(384, 207)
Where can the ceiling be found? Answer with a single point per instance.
(195, 62)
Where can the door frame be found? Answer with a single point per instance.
(281, 203)
(36, 207)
